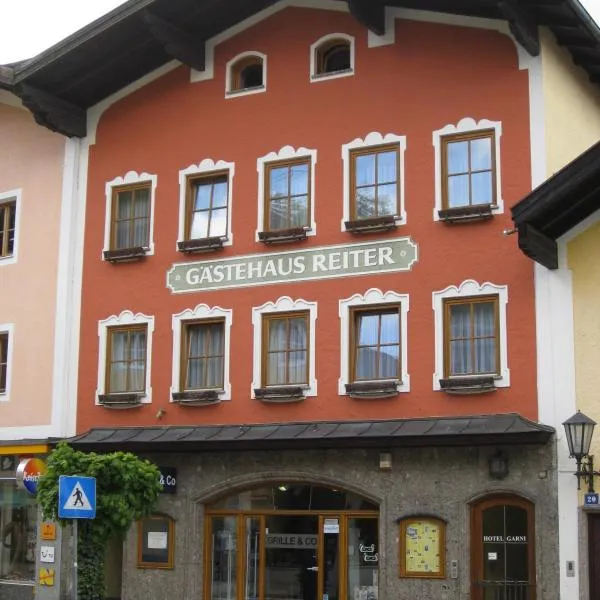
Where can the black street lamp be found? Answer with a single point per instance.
(579, 429)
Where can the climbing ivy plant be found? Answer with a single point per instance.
(127, 489)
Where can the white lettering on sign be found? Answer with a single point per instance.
(510, 539)
(291, 540)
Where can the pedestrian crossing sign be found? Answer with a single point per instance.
(76, 497)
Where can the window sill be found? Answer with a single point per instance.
(121, 400)
(468, 385)
(246, 91)
(197, 398)
(280, 236)
(209, 244)
(372, 225)
(332, 75)
(125, 254)
(280, 394)
(373, 389)
(467, 214)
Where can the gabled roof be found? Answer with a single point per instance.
(556, 206)
(140, 36)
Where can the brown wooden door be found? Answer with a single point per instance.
(594, 554)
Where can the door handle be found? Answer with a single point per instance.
(312, 568)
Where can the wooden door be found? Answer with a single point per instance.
(594, 554)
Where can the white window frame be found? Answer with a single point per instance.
(229, 93)
(316, 77)
(471, 289)
(122, 320)
(373, 139)
(373, 297)
(283, 305)
(196, 315)
(285, 153)
(130, 178)
(205, 168)
(8, 328)
(5, 198)
(466, 125)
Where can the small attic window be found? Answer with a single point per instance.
(246, 74)
(332, 56)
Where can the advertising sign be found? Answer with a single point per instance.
(29, 472)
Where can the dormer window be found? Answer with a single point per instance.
(246, 74)
(332, 56)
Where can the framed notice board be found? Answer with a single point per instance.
(156, 542)
(422, 547)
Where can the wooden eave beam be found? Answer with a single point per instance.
(177, 43)
(370, 13)
(521, 25)
(538, 246)
(53, 112)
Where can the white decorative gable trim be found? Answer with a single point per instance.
(124, 319)
(5, 197)
(202, 311)
(467, 125)
(373, 139)
(285, 153)
(316, 77)
(130, 178)
(284, 304)
(205, 167)
(8, 328)
(373, 297)
(470, 288)
(230, 93)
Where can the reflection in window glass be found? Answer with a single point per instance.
(377, 341)
(131, 218)
(224, 558)
(288, 196)
(208, 208)
(363, 558)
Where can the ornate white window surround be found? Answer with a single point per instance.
(229, 93)
(205, 167)
(124, 319)
(373, 139)
(468, 289)
(373, 297)
(202, 311)
(466, 125)
(131, 177)
(8, 328)
(283, 304)
(285, 153)
(316, 77)
(12, 196)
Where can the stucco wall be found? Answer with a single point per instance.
(31, 160)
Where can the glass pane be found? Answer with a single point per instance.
(386, 198)
(363, 559)
(124, 205)
(278, 214)
(278, 178)
(138, 345)
(493, 544)
(297, 367)
(484, 316)
(214, 372)
(203, 191)
(297, 333)
(253, 562)
(481, 154)
(137, 376)
(142, 203)
(460, 321)
(388, 362)
(365, 203)
(118, 378)
(122, 240)
(299, 212)
(215, 346)
(458, 157)
(199, 225)
(485, 355)
(386, 167)
(458, 191)
(390, 328)
(364, 169)
(299, 181)
(276, 368)
(517, 555)
(140, 232)
(481, 188)
(277, 334)
(367, 330)
(118, 345)
(218, 223)
(460, 357)
(366, 363)
(195, 374)
(223, 549)
(220, 194)
(196, 340)
(331, 564)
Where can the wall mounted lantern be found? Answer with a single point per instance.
(498, 465)
(579, 429)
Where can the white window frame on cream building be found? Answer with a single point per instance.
(16, 197)
(9, 329)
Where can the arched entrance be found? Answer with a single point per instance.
(292, 541)
(502, 549)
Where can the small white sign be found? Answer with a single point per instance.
(47, 554)
(157, 540)
(492, 556)
(331, 526)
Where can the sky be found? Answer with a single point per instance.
(27, 27)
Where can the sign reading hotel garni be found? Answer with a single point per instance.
(323, 262)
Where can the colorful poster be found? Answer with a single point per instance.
(422, 547)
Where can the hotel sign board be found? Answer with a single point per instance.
(323, 262)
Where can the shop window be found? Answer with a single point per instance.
(332, 56)
(10, 204)
(246, 74)
(3, 362)
(130, 215)
(373, 183)
(422, 547)
(156, 542)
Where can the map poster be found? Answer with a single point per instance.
(422, 555)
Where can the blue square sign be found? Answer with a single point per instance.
(590, 500)
(76, 497)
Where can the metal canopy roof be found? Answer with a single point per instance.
(139, 36)
(480, 430)
(557, 205)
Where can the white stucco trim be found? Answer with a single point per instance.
(468, 289)
(8, 328)
(5, 198)
(316, 77)
(284, 304)
(205, 167)
(373, 139)
(130, 178)
(373, 297)
(467, 125)
(285, 153)
(229, 93)
(201, 312)
(124, 319)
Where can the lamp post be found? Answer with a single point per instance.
(579, 429)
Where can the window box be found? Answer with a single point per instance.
(373, 389)
(197, 397)
(201, 245)
(467, 214)
(125, 254)
(372, 225)
(468, 385)
(280, 394)
(280, 236)
(120, 400)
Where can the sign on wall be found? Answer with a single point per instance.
(324, 262)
